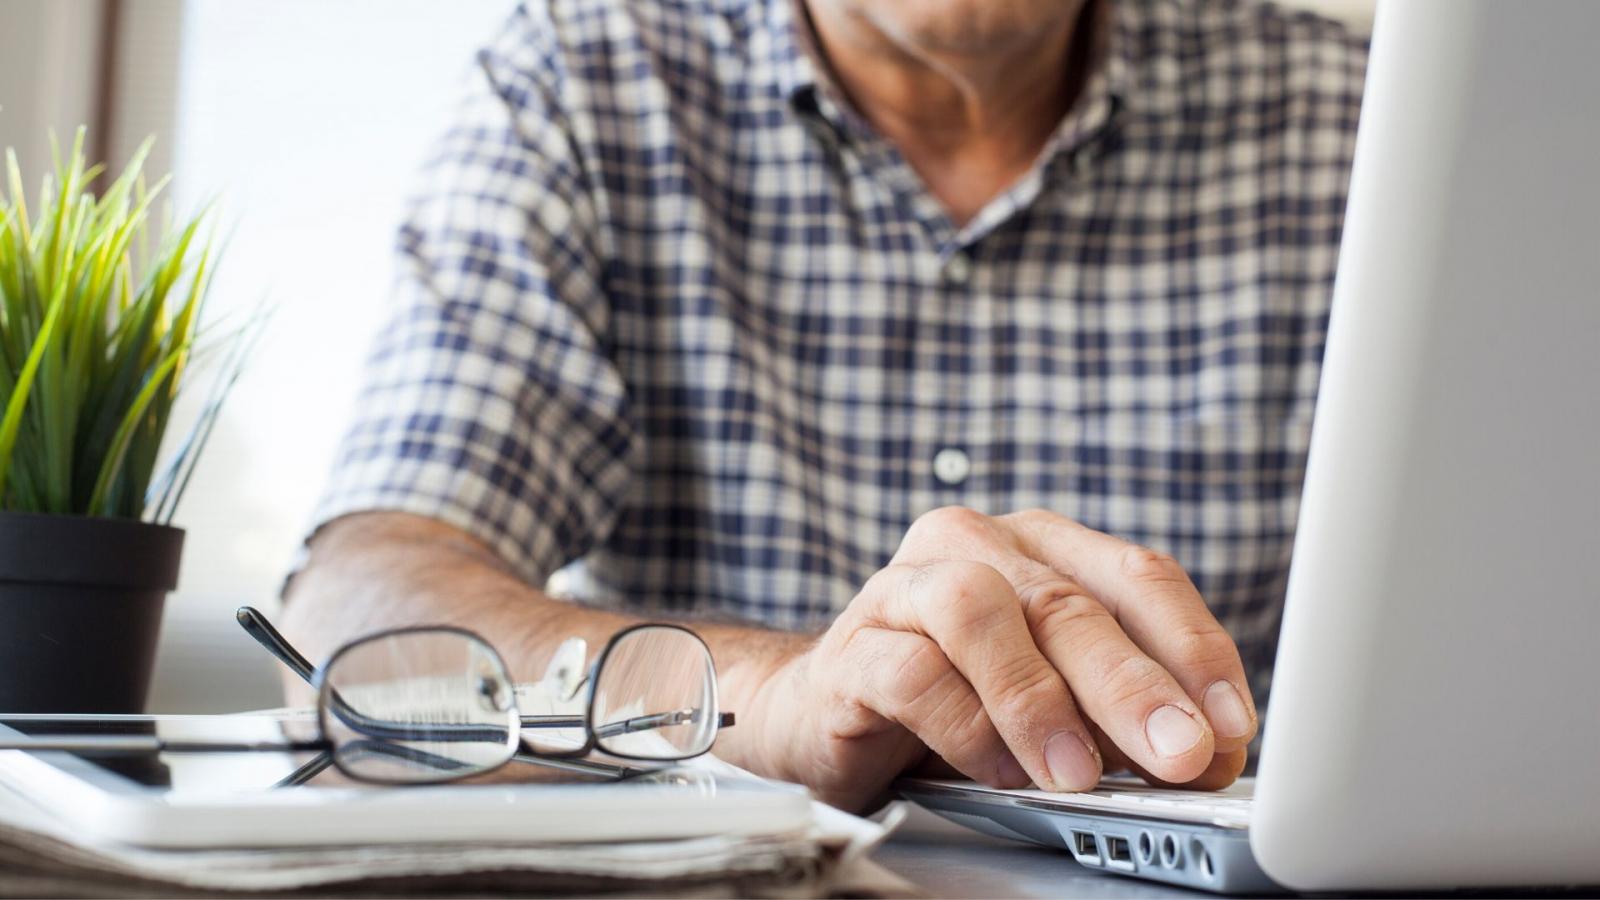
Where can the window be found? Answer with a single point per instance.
(308, 119)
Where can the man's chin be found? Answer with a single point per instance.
(971, 28)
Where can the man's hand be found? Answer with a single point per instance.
(1017, 648)
(1024, 647)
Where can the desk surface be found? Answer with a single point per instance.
(948, 861)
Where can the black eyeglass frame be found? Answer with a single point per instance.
(591, 681)
(259, 628)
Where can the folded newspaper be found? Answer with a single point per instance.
(41, 857)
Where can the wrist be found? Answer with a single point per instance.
(755, 683)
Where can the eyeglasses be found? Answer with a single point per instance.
(437, 703)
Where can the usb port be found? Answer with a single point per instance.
(1118, 852)
(1085, 848)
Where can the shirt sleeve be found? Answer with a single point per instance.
(489, 401)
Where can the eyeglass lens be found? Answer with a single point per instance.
(418, 706)
(655, 696)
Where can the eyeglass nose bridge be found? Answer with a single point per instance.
(494, 695)
(566, 674)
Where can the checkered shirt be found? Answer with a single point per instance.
(672, 315)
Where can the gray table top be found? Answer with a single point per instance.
(946, 860)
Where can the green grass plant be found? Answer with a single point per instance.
(100, 310)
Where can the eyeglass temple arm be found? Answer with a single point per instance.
(308, 770)
(580, 766)
(623, 726)
(256, 625)
(317, 764)
(445, 763)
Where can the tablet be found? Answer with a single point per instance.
(234, 799)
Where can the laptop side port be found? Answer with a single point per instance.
(1171, 851)
(1085, 849)
(1118, 854)
(1202, 857)
(1147, 848)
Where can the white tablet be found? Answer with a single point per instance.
(232, 799)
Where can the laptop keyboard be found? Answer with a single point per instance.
(1229, 807)
(1237, 798)
(1231, 804)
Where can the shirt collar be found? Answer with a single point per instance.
(791, 53)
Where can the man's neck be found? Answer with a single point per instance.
(970, 124)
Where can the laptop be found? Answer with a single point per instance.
(1435, 714)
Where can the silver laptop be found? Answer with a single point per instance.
(1435, 715)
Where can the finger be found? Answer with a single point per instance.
(1010, 545)
(1224, 770)
(1116, 761)
(972, 613)
(1225, 767)
(907, 679)
(1130, 696)
(1160, 610)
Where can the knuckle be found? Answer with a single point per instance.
(1203, 649)
(1034, 522)
(972, 582)
(915, 675)
(1033, 516)
(1034, 690)
(1056, 609)
(966, 736)
(966, 594)
(947, 521)
(875, 584)
(949, 709)
(883, 583)
(1150, 566)
(949, 716)
(1132, 681)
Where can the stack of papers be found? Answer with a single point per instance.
(39, 857)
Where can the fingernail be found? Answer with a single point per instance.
(1073, 766)
(1171, 732)
(1010, 772)
(1226, 710)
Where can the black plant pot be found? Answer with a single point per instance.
(80, 611)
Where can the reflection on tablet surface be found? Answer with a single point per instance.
(256, 771)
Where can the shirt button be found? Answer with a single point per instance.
(951, 466)
(958, 269)
(1082, 164)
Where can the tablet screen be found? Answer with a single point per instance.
(194, 799)
(230, 772)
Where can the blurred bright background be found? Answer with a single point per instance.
(307, 118)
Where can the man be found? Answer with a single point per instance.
(935, 358)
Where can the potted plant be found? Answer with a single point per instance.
(100, 308)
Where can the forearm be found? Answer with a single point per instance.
(376, 571)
